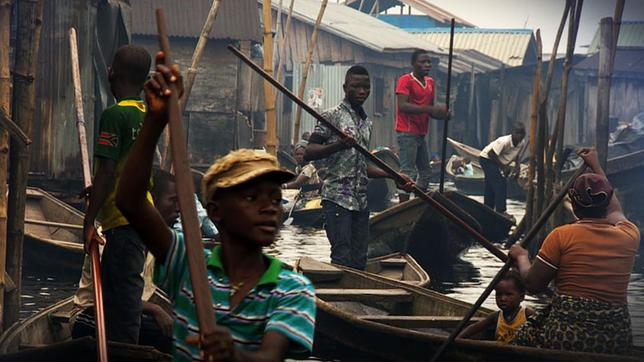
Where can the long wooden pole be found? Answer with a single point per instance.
(186, 197)
(191, 74)
(99, 316)
(5, 106)
(378, 162)
(534, 107)
(24, 97)
(269, 96)
(603, 90)
(499, 275)
(284, 43)
(14, 130)
(447, 96)
(305, 71)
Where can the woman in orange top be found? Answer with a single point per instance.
(590, 261)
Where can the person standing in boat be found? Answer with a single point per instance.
(263, 311)
(346, 173)
(415, 99)
(496, 160)
(124, 253)
(590, 261)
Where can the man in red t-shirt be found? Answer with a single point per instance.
(415, 98)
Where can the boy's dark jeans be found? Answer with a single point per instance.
(348, 233)
(121, 267)
(496, 186)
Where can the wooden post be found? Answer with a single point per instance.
(603, 89)
(287, 31)
(99, 315)
(617, 23)
(186, 198)
(269, 95)
(5, 105)
(191, 73)
(471, 116)
(305, 71)
(539, 144)
(24, 94)
(278, 28)
(534, 109)
(447, 96)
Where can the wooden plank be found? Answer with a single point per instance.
(404, 321)
(370, 295)
(393, 262)
(54, 224)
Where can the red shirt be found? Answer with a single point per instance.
(414, 123)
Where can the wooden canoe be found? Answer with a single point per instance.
(53, 234)
(494, 226)
(361, 316)
(46, 336)
(399, 267)
(413, 227)
(475, 184)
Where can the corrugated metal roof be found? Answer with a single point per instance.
(236, 19)
(507, 45)
(627, 60)
(423, 6)
(631, 34)
(358, 27)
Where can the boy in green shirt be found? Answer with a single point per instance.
(124, 253)
(264, 312)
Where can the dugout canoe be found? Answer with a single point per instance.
(415, 228)
(46, 336)
(53, 234)
(475, 184)
(362, 316)
(399, 267)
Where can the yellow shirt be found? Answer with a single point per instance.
(505, 330)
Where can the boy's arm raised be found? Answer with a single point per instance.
(131, 195)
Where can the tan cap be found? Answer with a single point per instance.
(238, 167)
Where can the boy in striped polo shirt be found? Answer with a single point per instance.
(263, 311)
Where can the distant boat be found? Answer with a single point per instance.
(53, 234)
(475, 184)
(362, 316)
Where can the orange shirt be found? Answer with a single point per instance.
(593, 260)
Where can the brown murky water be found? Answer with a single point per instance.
(465, 280)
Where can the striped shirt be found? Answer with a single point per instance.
(282, 301)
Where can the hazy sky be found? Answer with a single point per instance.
(543, 14)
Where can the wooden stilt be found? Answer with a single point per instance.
(24, 93)
(603, 90)
(269, 95)
(534, 105)
(5, 106)
(305, 71)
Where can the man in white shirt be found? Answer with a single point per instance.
(495, 160)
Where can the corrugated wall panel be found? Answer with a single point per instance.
(55, 151)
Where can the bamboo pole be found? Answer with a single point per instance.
(5, 106)
(540, 142)
(617, 24)
(191, 73)
(447, 95)
(504, 269)
(428, 197)
(603, 90)
(278, 28)
(534, 107)
(284, 42)
(14, 130)
(99, 316)
(556, 139)
(186, 198)
(24, 94)
(269, 96)
(305, 71)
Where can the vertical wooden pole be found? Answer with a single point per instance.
(101, 336)
(269, 95)
(284, 43)
(534, 107)
(447, 96)
(540, 143)
(24, 93)
(5, 104)
(305, 71)
(603, 89)
(471, 117)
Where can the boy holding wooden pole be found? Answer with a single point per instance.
(263, 311)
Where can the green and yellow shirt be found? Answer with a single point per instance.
(282, 301)
(119, 126)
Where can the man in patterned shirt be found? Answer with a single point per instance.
(263, 311)
(346, 173)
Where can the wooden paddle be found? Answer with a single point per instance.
(378, 162)
(101, 337)
(447, 94)
(508, 264)
(186, 197)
